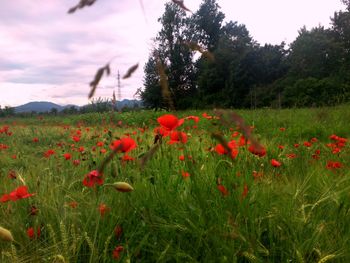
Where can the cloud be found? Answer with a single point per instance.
(45, 45)
(52, 55)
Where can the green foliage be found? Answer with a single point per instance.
(316, 92)
(152, 94)
(7, 111)
(206, 24)
(244, 73)
(314, 53)
(176, 58)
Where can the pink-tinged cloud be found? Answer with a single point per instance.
(48, 54)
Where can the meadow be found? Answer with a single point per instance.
(188, 186)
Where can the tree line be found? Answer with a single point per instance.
(314, 70)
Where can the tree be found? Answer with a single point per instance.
(151, 95)
(53, 111)
(341, 34)
(347, 3)
(217, 82)
(314, 53)
(176, 58)
(206, 24)
(260, 67)
(70, 110)
(7, 111)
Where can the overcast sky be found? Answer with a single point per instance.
(49, 55)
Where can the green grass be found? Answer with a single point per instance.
(298, 212)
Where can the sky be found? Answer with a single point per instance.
(49, 55)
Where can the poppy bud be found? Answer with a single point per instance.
(123, 187)
(5, 234)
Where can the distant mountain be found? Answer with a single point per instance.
(40, 106)
(46, 106)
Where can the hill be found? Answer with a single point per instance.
(46, 106)
(38, 106)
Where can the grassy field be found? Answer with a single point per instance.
(200, 193)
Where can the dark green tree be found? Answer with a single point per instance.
(217, 80)
(347, 3)
(7, 111)
(314, 53)
(151, 95)
(260, 67)
(206, 24)
(341, 34)
(176, 59)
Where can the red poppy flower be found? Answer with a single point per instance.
(334, 137)
(243, 141)
(185, 174)
(103, 209)
(67, 156)
(176, 137)
(307, 144)
(12, 174)
(81, 149)
(220, 149)
(182, 157)
(257, 150)
(35, 139)
(275, 163)
(4, 129)
(235, 134)
(223, 190)
(315, 156)
(33, 210)
(76, 138)
(336, 150)
(245, 191)
(195, 118)
(291, 155)
(48, 153)
(331, 165)
(169, 122)
(73, 204)
(118, 231)
(126, 157)
(19, 193)
(3, 146)
(116, 252)
(31, 233)
(100, 144)
(123, 145)
(92, 178)
(208, 117)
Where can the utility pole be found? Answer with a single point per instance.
(119, 94)
(119, 91)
